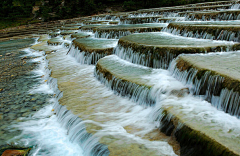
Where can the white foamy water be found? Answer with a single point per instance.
(118, 117)
(46, 135)
(42, 131)
(41, 72)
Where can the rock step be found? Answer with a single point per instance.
(216, 30)
(82, 35)
(68, 32)
(163, 11)
(212, 15)
(91, 27)
(134, 81)
(139, 20)
(126, 29)
(97, 22)
(90, 50)
(43, 45)
(221, 75)
(96, 106)
(55, 41)
(170, 19)
(54, 34)
(70, 28)
(208, 135)
(158, 49)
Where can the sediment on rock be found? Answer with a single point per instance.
(213, 15)
(138, 20)
(137, 93)
(90, 50)
(124, 30)
(157, 54)
(215, 32)
(192, 141)
(55, 41)
(84, 57)
(195, 133)
(132, 81)
(220, 89)
(184, 8)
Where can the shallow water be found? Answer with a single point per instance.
(114, 120)
(16, 82)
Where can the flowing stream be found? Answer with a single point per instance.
(61, 105)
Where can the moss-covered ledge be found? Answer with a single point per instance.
(197, 135)
(215, 15)
(163, 47)
(95, 45)
(217, 30)
(135, 81)
(119, 31)
(224, 68)
(194, 138)
(125, 79)
(138, 20)
(89, 50)
(55, 41)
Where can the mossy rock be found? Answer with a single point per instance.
(55, 41)
(192, 139)
(95, 45)
(212, 66)
(213, 15)
(81, 35)
(7, 150)
(63, 33)
(155, 46)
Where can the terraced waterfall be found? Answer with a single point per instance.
(160, 81)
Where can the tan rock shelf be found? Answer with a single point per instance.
(158, 49)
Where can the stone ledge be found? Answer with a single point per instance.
(156, 46)
(196, 133)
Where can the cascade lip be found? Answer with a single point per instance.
(213, 62)
(93, 26)
(124, 27)
(143, 17)
(92, 22)
(55, 40)
(171, 18)
(134, 73)
(95, 44)
(91, 101)
(182, 8)
(68, 32)
(70, 28)
(198, 115)
(210, 12)
(82, 35)
(207, 23)
(162, 39)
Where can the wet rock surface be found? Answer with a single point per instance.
(187, 123)
(16, 80)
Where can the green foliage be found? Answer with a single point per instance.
(15, 10)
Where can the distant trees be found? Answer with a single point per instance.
(13, 9)
(60, 9)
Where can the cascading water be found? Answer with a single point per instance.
(102, 110)
(85, 57)
(143, 59)
(209, 86)
(221, 35)
(235, 7)
(112, 34)
(112, 116)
